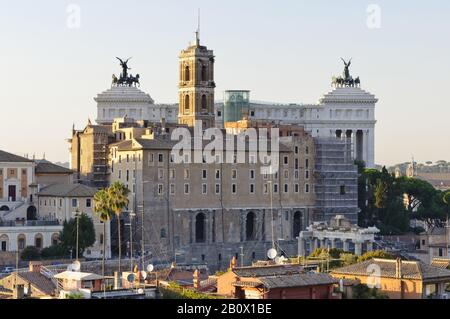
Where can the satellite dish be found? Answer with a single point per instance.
(143, 274)
(140, 291)
(76, 266)
(150, 268)
(272, 253)
(130, 278)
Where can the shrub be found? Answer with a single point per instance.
(375, 254)
(54, 251)
(30, 253)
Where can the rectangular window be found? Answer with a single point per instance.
(233, 188)
(306, 174)
(161, 158)
(186, 189)
(160, 189)
(128, 175)
(252, 159)
(120, 174)
(307, 188)
(296, 150)
(88, 202)
(234, 174)
(217, 173)
(160, 173)
(286, 160)
(296, 188)
(172, 158)
(252, 188)
(307, 150)
(120, 159)
(204, 174)
(204, 189)
(74, 202)
(128, 158)
(172, 189)
(286, 188)
(286, 174)
(275, 188)
(265, 176)
(186, 174)
(342, 190)
(150, 159)
(306, 163)
(266, 188)
(217, 189)
(296, 175)
(296, 164)
(172, 174)
(252, 174)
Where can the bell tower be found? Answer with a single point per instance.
(196, 85)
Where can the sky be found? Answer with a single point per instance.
(56, 56)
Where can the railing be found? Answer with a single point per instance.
(29, 223)
(50, 275)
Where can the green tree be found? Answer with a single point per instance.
(86, 234)
(362, 291)
(54, 251)
(104, 213)
(30, 253)
(375, 254)
(118, 201)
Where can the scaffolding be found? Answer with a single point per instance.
(336, 178)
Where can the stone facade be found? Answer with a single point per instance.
(206, 212)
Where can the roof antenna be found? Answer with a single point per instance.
(197, 33)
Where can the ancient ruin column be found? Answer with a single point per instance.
(358, 248)
(301, 246)
(333, 243)
(345, 247)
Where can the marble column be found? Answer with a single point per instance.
(301, 246)
(346, 246)
(369, 246)
(315, 244)
(333, 243)
(358, 248)
(322, 242)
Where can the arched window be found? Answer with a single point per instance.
(38, 241)
(55, 239)
(4, 243)
(21, 239)
(297, 225)
(187, 73)
(4, 208)
(204, 73)
(186, 104)
(204, 102)
(250, 226)
(200, 228)
(31, 213)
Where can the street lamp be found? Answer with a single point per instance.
(77, 215)
(132, 215)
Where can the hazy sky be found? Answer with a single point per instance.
(283, 51)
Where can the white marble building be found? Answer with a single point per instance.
(343, 112)
(121, 101)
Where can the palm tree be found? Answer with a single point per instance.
(118, 200)
(104, 213)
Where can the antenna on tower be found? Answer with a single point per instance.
(197, 33)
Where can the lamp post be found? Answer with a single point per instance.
(132, 215)
(77, 217)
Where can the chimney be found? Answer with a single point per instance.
(19, 292)
(196, 280)
(35, 266)
(398, 268)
